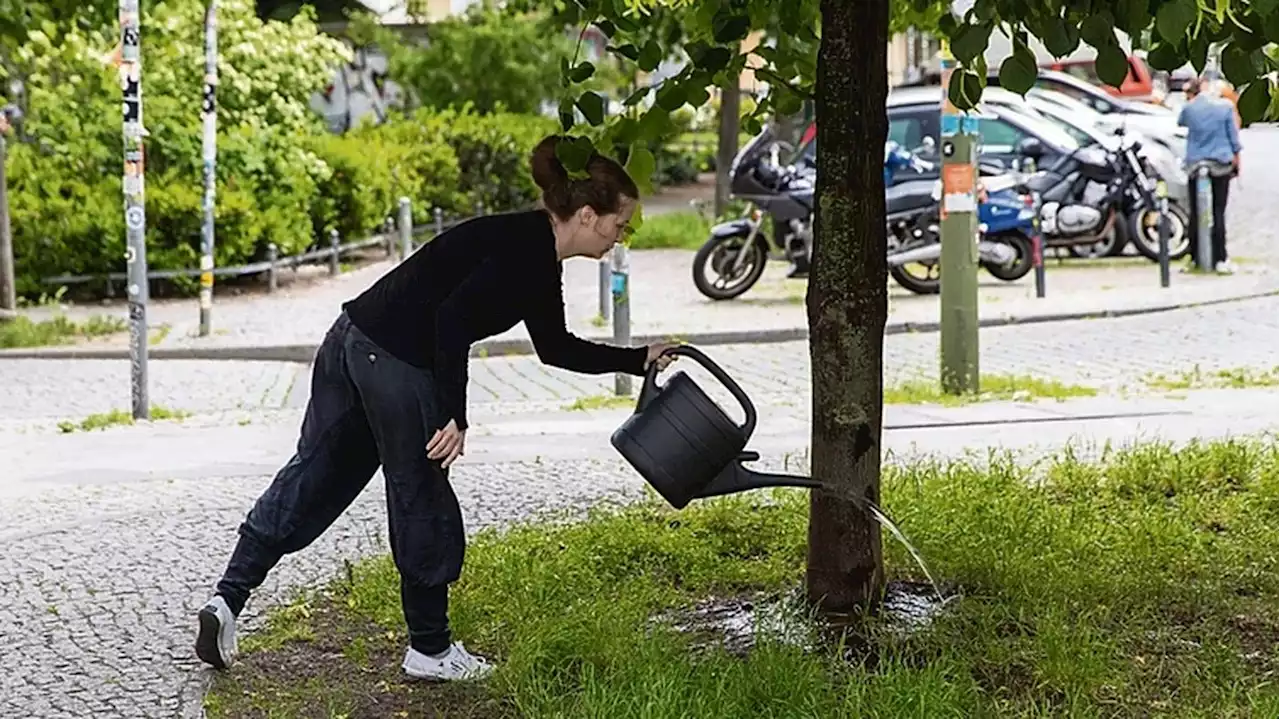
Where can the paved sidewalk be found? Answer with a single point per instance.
(113, 539)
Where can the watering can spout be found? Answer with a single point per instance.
(736, 478)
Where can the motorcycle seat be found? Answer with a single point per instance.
(904, 202)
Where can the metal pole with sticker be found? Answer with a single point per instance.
(1162, 194)
(1204, 218)
(209, 118)
(959, 236)
(135, 216)
(620, 285)
(606, 299)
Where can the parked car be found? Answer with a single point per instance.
(1139, 85)
(1162, 127)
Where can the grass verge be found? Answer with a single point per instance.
(992, 387)
(678, 230)
(23, 332)
(1196, 378)
(1141, 584)
(600, 401)
(118, 417)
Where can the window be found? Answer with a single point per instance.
(998, 135)
(910, 127)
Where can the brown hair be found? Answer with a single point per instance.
(602, 191)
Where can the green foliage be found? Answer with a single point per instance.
(282, 178)
(1174, 32)
(675, 230)
(485, 59)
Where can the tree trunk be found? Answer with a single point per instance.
(847, 306)
(730, 111)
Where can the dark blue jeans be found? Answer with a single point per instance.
(367, 408)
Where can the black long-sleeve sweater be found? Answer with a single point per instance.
(474, 281)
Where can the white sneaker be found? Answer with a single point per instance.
(216, 641)
(457, 664)
(1224, 268)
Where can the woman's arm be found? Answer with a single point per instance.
(558, 347)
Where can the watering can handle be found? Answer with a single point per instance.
(650, 387)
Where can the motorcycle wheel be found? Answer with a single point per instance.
(1144, 227)
(716, 257)
(1019, 266)
(930, 283)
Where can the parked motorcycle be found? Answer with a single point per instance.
(1093, 194)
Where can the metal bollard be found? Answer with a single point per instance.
(479, 208)
(1204, 219)
(1037, 246)
(333, 252)
(1162, 194)
(406, 229)
(273, 255)
(388, 234)
(621, 289)
(438, 214)
(606, 300)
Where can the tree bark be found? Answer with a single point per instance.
(730, 111)
(847, 306)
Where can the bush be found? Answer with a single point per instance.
(281, 177)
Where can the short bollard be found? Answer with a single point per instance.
(479, 208)
(1037, 245)
(1162, 194)
(606, 299)
(334, 241)
(273, 256)
(1204, 219)
(388, 234)
(406, 229)
(438, 215)
(621, 289)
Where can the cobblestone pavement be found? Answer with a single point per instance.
(1107, 353)
(664, 300)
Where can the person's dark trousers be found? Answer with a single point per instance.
(1218, 239)
(366, 408)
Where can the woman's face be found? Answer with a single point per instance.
(599, 233)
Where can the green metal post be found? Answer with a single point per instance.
(959, 229)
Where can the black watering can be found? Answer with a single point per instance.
(684, 444)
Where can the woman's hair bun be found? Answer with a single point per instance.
(548, 172)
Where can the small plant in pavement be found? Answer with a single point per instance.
(1197, 378)
(991, 387)
(118, 417)
(24, 332)
(601, 401)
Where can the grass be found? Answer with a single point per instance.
(996, 387)
(1141, 584)
(600, 401)
(678, 230)
(1195, 378)
(23, 332)
(116, 418)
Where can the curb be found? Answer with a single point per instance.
(303, 353)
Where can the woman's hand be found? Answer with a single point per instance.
(447, 444)
(655, 354)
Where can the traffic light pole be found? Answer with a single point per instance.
(959, 228)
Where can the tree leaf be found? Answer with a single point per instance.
(1133, 16)
(1164, 56)
(715, 59)
(582, 72)
(947, 24)
(650, 56)
(1174, 17)
(1111, 64)
(607, 28)
(1264, 8)
(1059, 38)
(592, 106)
(1238, 65)
(1198, 52)
(1097, 29)
(641, 166)
(965, 89)
(567, 119)
(629, 51)
(654, 124)
(1254, 101)
(730, 28)
(634, 98)
(574, 155)
(970, 42)
(1018, 72)
(698, 95)
(671, 96)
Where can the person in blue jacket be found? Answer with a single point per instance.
(1213, 140)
